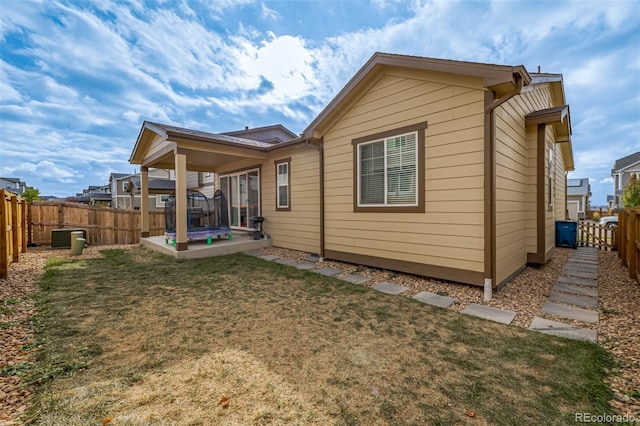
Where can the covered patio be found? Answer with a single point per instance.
(182, 150)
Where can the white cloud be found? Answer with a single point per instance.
(45, 169)
(131, 116)
(606, 180)
(269, 13)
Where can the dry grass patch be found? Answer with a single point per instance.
(146, 339)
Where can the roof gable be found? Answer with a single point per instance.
(626, 162)
(501, 78)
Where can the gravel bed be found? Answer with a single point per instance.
(618, 330)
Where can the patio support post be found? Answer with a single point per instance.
(181, 201)
(144, 202)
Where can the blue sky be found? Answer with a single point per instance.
(77, 78)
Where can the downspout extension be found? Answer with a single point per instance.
(490, 110)
(320, 149)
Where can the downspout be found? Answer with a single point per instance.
(320, 149)
(490, 191)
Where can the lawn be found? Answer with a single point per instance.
(144, 339)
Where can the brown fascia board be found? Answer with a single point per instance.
(493, 75)
(143, 140)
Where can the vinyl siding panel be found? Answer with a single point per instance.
(450, 232)
(516, 171)
(298, 229)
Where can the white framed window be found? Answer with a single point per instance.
(387, 171)
(124, 185)
(161, 199)
(283, 184)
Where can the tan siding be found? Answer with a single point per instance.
(298, 229)
(516, 230)
(450, 233)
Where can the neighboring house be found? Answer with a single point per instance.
(159, 191)
(98, 195)
(578, 194)
(611, 200)
(14, 185)
(449, 169)
(621, 172)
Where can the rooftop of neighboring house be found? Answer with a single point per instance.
(271, 134)
(578, 186)
(624, 162)
(155, 185)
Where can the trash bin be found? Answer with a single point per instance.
(77, 243)
(567, 233)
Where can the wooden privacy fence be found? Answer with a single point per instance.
(593, 235)
(628, 240)
(13, 222)
(103, 225)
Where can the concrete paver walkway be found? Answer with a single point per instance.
(575, 297)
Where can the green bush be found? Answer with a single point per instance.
(631, 193)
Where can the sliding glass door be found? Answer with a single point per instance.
(243, 196)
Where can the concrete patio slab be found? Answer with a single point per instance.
(200, 249)
(434, 299)
(285, 261)
(575, 289)
(556, 328)
(255, 253)
(355, 279)
(570, 312)
(269, 257)
(574, 299)
(305, 265)
(311, 258)
(329, 272)
(580, 274)
(577, 280)
(489, 313)
(390, 288)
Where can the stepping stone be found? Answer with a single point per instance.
(556, 328)
(574, 289)
(579, 281)
(269, 257)
(305, 265)
(581, 265)
(487, 312)
(580, 274)
(285, 261)
(329, 272)
(356, 279)
(255, 253)
(574, 299)
(311, 258)
(581, 268)
(434, 299)
(570, 312)
(390, 288)
(581, 261)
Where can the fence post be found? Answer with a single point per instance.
(15, 232)
(61, 215)
(632, 249)
(4, 265)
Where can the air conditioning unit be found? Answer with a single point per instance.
(61, 238)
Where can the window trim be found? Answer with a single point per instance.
(159, 201)
(420, 169)
(277, 163)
